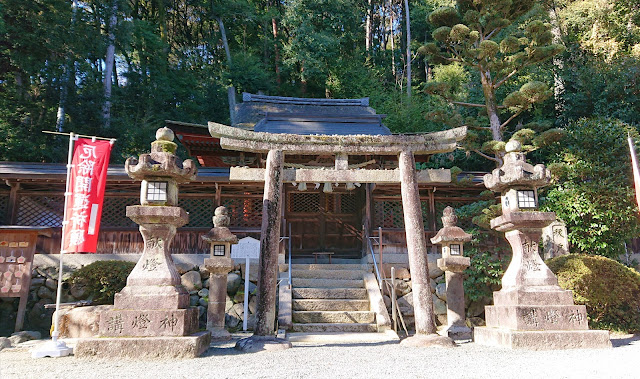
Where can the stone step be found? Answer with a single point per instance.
(357, 317)
(330, 305)
(389, 258)
(328, 283)
(327, 274)
(343, 328)
(322, 266)
(332, 338)
(329, 293)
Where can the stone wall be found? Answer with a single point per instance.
(44, 285)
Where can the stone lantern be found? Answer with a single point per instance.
(153, 303)
(218, 265)
(531, 310)
(453, 263)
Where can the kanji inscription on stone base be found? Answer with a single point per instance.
(140, 323)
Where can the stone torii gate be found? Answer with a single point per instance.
(276, 146)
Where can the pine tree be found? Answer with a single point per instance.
(497, 40)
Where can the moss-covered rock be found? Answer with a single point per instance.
(610, 290)
(102, 279)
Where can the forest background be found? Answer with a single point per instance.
(566, 79)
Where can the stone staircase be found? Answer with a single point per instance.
(331, 298)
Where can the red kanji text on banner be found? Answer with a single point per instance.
(88, 177)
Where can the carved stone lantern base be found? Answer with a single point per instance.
(154, 302)
(531, 311)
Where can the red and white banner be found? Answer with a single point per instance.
(88, 177)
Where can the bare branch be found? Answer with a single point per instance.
(501, 81)
(512, 117)
(474, 105)
(480, 153)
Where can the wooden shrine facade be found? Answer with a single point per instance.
(33, 196)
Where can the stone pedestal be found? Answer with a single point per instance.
(453, 267)
(531, 311)
(152, 312)
(218, 269)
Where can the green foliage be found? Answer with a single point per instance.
(483, 276)
(593, 190)
(499, 42)
(609, 290)
(248, 74)
(594, 87)
(102, 279)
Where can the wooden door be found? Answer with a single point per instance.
(325, 221)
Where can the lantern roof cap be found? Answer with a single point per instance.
(450, 232)
(515, 171)
(162, 162)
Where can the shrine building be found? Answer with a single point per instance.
(322, 216)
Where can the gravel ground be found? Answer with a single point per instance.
(381, 360)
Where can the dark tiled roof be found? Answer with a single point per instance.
(346, 124)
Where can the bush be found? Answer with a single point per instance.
(102, 279)
(610, 290)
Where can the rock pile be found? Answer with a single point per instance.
(44, 285)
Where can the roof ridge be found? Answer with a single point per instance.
(249, 97)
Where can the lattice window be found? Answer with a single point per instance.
(200, 211)
(426, 213)
(4, 204)
(244, 212)
(114, 212)
(348, 203)
(40, 211)
(305, 202)
(388, 214)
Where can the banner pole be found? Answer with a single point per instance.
(634, 166)
(67, 192)
(58, 348)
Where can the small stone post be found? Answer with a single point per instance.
(417, 251)
(453, 263)
(218, 265)
(264, 332)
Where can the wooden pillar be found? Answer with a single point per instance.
(269, 242)
(12, 208)
(416, 245)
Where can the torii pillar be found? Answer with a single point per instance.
(277, 145)
(417, 251)
(263, 336)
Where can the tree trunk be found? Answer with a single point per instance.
(491, 103)
(225, 43)
(383, 26)
(392, 40)
(558, 80)
(108, 64)
(274, 26)
(66, 73)
(408, 21)
(368, 25)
